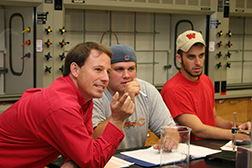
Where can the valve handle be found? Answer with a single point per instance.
(26, 42)
(48, 69)
(48, 30)
(63, 30)
(28, 29)
(63, 43)
(220, 43)
(61, 68)
(228, 64)
(219, 54)
(48, 56)
(229, 44)
(26, 55)
(62, 56)
(48, 43)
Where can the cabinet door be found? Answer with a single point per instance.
(226, 107)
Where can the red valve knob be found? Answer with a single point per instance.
(220, 43)
(229, 44)
(63, 43)
(48, 43)
(26, 42)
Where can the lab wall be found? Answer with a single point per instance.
(152, 35)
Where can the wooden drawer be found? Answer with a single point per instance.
(226, 107)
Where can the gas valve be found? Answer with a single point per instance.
(228, 54)
(26, 55)
(228, 64)
(63, 43)
(48, 43)
(28, 29)
(63, 30)
(48, 56)
(229, 33)
(26, 42)
(220, 43)
(219, 54)
(48, 69)
(219, 65)
(220, 33)
(229, 44)
(61, 68)
(62, 56)
(48, 30)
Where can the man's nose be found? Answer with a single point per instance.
(197, 61)
(126, 74)
(105, 76)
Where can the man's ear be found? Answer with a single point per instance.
(179, 58)
(74, 68)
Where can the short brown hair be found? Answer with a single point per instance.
(80, 53)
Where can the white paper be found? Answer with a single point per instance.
(228, 147)
(115, 162)
(151, 155)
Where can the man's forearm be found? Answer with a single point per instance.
(223, 123)
(100, 128)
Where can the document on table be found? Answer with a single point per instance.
(228, 147)
(115, 162)
(150, 157)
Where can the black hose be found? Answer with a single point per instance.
(176, 27)
(10, 43)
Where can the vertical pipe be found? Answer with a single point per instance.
(243, 42)
(154, 35)
(84, 25)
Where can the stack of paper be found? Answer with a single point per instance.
(150, 157)
(115, 162)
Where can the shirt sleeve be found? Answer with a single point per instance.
(66, 132)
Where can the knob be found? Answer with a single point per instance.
(26, 55)
(219, 65)
(217, 23)
(48, 30)
(63, 43)
(63, 30)
(228, 54)
(220, 43)
(62, 56)
(220, 33)
(228, 64)
(48, 43)
(28, 29)
(229, 44)
(229, 33)
(61, 68)
(26, 42)
(48, 56)
(48, 69)
(219, 54)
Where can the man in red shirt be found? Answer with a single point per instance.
(56, 120)
(189, 95)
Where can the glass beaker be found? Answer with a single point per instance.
(174, 146)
